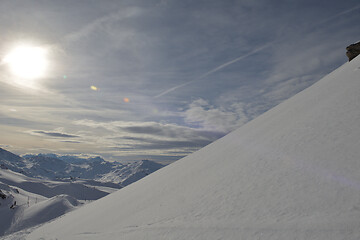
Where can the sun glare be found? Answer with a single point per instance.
(27, 62)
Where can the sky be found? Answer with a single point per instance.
(160, 79)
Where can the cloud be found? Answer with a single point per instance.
(12, 121)
(52, 134)
(158, 129)
(152, 144)
(221, 118)
(151, 138)
(70, 141)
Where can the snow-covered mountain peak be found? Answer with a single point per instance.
(64, 167)
(8, 155)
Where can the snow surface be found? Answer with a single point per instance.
(39, 201)
(42, 212)
(292, 173)
(50, 188)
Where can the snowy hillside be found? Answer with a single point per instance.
(50, 188)
(26, 202)
(57, 167)
(292, 173)
(131, 172)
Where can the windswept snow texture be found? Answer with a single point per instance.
(292, 173)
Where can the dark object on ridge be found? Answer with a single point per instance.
(3, 166)
(353, 50)
(2, 195)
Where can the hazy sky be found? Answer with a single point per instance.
(159, 79)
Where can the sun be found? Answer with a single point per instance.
(28, 62)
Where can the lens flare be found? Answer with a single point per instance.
(127, 100)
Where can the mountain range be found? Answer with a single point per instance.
(64, 167)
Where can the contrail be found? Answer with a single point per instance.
(215, 69)
(100, 22)
(338, 15)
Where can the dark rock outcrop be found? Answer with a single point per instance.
(353, 50)
(3, 166)
(2, 195)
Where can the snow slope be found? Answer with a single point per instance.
(131, 172)
(23, 217)
(50, 188)
(43, 211)
(11, 161)
(38, 201)
(292, 173)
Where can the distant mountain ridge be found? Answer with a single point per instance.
(64, 167)
(10, 160)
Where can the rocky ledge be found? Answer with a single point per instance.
(353, 50)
